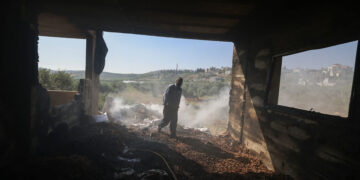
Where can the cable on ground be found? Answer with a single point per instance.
(162, 157)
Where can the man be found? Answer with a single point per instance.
(171, 101)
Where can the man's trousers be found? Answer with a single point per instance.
(170, 115)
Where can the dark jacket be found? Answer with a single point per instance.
(172, 96)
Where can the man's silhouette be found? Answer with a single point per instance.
(171, 101)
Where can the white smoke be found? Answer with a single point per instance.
(118, 104)
(203, 114)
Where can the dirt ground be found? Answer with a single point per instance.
(111, 151)
(216, 154)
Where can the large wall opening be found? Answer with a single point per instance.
(140, 68)
(61, 62)
(319, 80)
(61, 65)
(124, 129)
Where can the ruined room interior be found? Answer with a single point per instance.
(290, 143)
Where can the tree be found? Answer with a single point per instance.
(62, 80)
(59, 80)
(45, 78)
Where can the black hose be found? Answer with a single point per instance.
(158, 154)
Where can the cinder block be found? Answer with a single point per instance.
(298, 133)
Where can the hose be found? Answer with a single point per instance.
(162, 157)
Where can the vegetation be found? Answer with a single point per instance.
(145, 87)
(58, 80)
(201, 89)
(314, 90)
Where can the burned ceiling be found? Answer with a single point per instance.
(212, 20)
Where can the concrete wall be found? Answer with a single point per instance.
(60, 97)
(18, 74)
(248, 90)
(305, 145)
(312, 146)
(91, 82)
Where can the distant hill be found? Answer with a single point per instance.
(210, 74)
(77, 74)
(105, 75)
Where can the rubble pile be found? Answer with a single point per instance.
(136, 115)
(207, 115)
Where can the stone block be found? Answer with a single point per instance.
(238, 84)
(263, 52)
(298, 133)
(279, 127)
(234, 122)
(260, 63)
(257, 101)
(258, 87)
(252, 114)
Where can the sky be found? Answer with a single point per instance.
(344, 54)
(61, 53)
(129, 53)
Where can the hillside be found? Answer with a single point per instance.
(210, 74)
(104, 75)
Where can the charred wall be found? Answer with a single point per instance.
(303, 144)
(248, 89)
(312, 145)
(18, 75)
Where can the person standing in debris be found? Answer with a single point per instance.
(171, 101)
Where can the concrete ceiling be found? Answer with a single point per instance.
(224, 20)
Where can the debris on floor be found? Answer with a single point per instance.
(106, 150)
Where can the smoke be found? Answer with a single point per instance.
(210, 114)
(141, 115)
(206, 113)
(118, 104)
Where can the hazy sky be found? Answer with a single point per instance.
(315, 59)
(129, 53)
